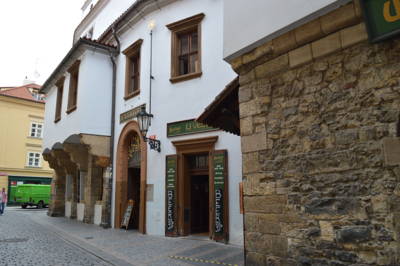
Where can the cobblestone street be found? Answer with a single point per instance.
(30, 237)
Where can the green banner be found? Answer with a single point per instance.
(170, 213)
(219, 191)
(186, 127)
(130, 114)
(382, 18)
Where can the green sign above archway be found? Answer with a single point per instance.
(382, 18)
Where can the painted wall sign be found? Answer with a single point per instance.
(170, 211)
(220, 197)
(186, 127)
(382, 18)
(130, 114)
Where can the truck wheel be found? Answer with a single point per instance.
(40, 205)
(23, 206)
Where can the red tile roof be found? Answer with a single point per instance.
(22, 92)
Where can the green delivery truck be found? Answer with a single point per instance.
(32, 195)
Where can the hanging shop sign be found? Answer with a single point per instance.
(186, 127)
(130, 114)
(220, 197)
(382, 18)
(170, 213)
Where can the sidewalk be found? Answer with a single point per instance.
(120, 247)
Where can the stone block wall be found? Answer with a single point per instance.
(314, 119)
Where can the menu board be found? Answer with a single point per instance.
(220, 196)
(170, 201)
(127, 215)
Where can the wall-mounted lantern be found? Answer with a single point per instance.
(144, 120)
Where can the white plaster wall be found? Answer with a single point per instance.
(93, 113)
(180, 101)
(249, 23)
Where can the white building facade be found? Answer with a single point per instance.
(166, 57)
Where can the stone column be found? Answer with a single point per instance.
(74, 196)
(57, 203)
(107, 194)
(93, 188)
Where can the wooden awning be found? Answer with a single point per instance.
(223, 112)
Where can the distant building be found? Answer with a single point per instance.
(21, 133)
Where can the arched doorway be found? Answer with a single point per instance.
(131, 165)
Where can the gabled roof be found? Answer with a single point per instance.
(123, 16)
(140, 8)
(82, 43)
(22, 92)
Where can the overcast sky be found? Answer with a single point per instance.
(35, 35)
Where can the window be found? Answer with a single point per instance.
(73, 87)
(34, 159)
(36, 130)
(60, 89)
(132, 71)
(186, 48)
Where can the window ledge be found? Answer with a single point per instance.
(71, 109)
(30, 137)
(133, 94)
(33, 167)
(185, 77)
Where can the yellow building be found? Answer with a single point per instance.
(22, 116)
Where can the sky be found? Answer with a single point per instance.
(35, 35)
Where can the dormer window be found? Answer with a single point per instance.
(89, 34)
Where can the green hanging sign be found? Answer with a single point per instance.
(170, 195)
(186, 127)
(220, 196)
(382, 18)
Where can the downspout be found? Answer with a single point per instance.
(113, 57)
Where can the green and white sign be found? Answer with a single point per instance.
(170, 214)
(382, 18)
(186, 127)
(220, 219)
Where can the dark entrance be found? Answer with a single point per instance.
(199, 193)
(199, 204)
(134, 194)
(133, 189)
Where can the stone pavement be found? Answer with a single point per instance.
(97, 246)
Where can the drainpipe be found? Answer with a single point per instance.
(113, 57)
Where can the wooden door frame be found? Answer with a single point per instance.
(127, 132)
(183, 149)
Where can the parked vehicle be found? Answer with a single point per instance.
(33, 195)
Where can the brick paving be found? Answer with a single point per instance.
(68, 242)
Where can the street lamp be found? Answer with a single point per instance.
(144, 120)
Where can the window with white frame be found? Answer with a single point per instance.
(33, 159)
(36, 130)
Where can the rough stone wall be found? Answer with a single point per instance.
(317, 188)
